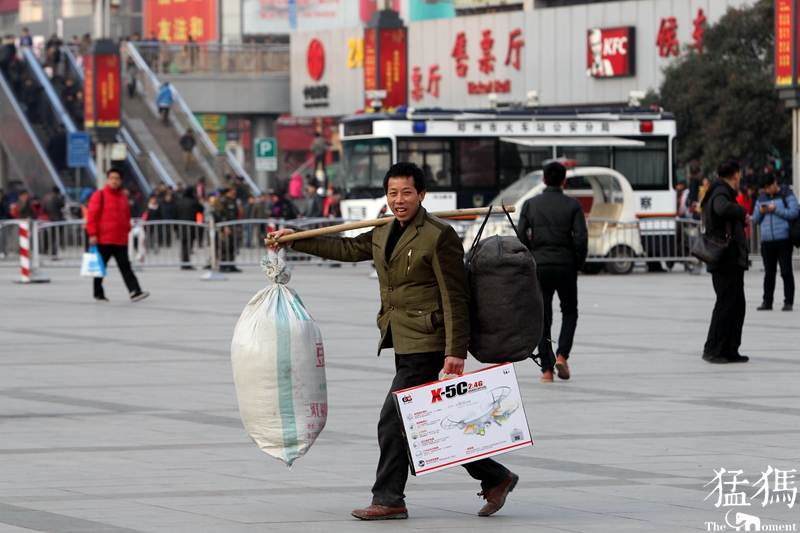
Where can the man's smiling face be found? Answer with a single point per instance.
(403, 198)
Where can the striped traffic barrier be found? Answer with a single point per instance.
(26, 255)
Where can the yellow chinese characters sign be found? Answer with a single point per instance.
(177, 20)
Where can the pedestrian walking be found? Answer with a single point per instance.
(226, 210)
(164, 102)
(23, 209)
(108, 224)
(315, 205)
(774, 211)
(553, 227)
(319, 147)
(424, 316)
(187, 209)
(187, 146)
(54, 209)
(725, 219)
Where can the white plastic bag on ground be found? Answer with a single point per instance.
(279, 368)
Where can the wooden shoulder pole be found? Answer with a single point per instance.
(318, 232)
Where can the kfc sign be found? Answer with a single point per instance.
(612, 52)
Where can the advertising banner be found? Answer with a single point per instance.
(107, 73)
(215, 126)
(393, 67)
(783, 42)
(611, 52)
(460, 420)
(427, 10)
(88, 96)
(370, 61)
(261, 17)
(175, 20)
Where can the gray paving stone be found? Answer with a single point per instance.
(122, 418)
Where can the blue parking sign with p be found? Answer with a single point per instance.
(78, 148)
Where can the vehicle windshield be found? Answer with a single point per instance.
(517, 190)
(365, 163)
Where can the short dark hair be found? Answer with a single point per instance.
(767, 179)
(55, 189)
(554, 174)
(405, 170)
(114, 169)
(727, 169)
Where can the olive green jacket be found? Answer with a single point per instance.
(424, 290)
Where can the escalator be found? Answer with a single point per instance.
(143, 164)
(68, 113)
(29, 167)
(140, 115)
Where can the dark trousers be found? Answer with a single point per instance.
(412, 370)
(563, 281)
(774, 253)
(120, 253)
(727, 320)
(187, 239)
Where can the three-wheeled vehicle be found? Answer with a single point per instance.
(608, 203)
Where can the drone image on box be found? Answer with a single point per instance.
(493, 409)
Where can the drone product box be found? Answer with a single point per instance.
(463, 419)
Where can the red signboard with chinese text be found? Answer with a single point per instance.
(611, 52)
(107, 108)
(393, 67)
(783, 42)
(88, 95)
(370, 61)
(176, 20)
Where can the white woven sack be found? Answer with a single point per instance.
(279, 368)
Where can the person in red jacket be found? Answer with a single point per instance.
(108, 224)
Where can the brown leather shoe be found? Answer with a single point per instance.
(496, 497)
(561, 367)
(380, 512)
(547, 376)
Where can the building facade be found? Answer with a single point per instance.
(575, 56)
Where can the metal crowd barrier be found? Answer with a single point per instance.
(173, 243)
(9, 242)
(160, 243)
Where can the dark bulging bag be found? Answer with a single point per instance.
(506, 313)
(708, 248)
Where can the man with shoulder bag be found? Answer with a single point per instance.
(725, 221)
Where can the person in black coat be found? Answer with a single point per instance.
(315, 205)
(553, 227)
(723, 217)
(57, 148)
(187, 209)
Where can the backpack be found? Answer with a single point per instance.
(506, 312)
(794, 225)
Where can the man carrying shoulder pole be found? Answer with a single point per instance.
(424, 316)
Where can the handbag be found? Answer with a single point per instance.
(708, 248)
(92, 265)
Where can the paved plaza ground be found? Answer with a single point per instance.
(122, 418)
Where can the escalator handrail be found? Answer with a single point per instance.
(73, 63)
(199, 131)
(55, 101)
(137, 152)
(25, 124)
(122, 137)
